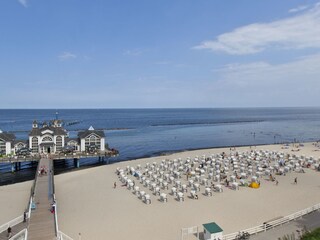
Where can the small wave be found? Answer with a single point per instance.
(7, 121)
(205, 123)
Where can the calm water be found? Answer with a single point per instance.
(146, 132)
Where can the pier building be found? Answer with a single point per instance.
(52, 138)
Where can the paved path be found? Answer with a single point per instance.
(311, 221)
(41, 224)
(15, 229)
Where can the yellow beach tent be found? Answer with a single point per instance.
(254, 185)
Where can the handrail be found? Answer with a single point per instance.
(55, 216)
(32, 191)
(23, 232)
(11, 223)
(272, 224)
(64, 236)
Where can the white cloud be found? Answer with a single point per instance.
(163, 63)
(67, 56)
(23, 3)
(298, 9)
(298, 32)
(134, 52)
(294, 83)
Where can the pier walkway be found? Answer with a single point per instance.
(41, 222)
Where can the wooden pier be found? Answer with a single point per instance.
(42, 220)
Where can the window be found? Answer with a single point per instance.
(2, 145)
(34, 145)
(74, 144)
(47, 139)
(19, 146)
(59, 143)
(93, 140)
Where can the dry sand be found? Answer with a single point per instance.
(88, 204)
(13, 200)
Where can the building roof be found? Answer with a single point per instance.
(16, 141)
(84, 134)
(55, 130)
(71, 139)
(8, 137)
(47, 144)
(212, 227)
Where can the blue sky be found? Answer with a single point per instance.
(142, 54)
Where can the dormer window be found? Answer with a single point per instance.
(47, 139)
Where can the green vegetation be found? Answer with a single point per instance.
(314, 235)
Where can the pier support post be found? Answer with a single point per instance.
(76, 162)
(18, 166)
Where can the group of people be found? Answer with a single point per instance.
(42, 171)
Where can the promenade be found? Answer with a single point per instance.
(310, 221)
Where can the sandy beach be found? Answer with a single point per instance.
(14, 200)
(88, 203)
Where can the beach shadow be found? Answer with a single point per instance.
(201, 235)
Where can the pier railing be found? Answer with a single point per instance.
(11, 223)
(56, 226)
(22, 235)
(271, 224)
(32, 191)
(10, 159)
(63, 236)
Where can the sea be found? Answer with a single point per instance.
(138, 133)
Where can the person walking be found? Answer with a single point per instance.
(114, 185)
(295, 180)
(9, 232)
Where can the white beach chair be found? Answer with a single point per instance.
(173, 191)
(190, 182)
(177, 183)
(153, 186)
(204, 181)
(147, 183)
(218, 188)
(196, 186)
(243, 175)
(193, 194)
(130, 185)
(208, 192)
(180, 197)
(235, 186)
(142, 194)
(163, 197)
(156, 191)
(171, 179)
(232, 178)
(147, 199)
(217, 178)
(165, 185)
(184, 188)
(254, 179)
(142, 180)
(242, 182)
(136, 190)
